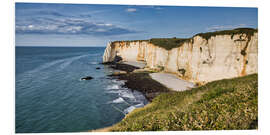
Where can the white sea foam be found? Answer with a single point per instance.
(65, 62)
(129, 109)
(139, 105)
(113, 91)
(127, 94)
(94, 63)
(113, 87)
(45, 66)
(118, 100)
(68, 61)
(120, 82)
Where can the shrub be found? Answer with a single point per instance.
(169, 43)
(248, 31)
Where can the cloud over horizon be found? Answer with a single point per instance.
(52, 22)
(225, 27)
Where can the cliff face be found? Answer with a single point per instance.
(199, 60)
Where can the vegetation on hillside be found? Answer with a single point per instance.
(223, 104)
(248, 31)
(169, 43)
(129, 41)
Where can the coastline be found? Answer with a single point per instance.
(136, 79)
(164, 109)
(139, 81)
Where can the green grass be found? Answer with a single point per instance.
(223, 104)
(169, 43)
(129, 41)
(248, 31)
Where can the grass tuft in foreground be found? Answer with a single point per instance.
(223, 104)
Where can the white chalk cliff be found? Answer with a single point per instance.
(200, 60)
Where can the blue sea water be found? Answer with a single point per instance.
(50, 97)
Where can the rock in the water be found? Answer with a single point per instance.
(98, 68)
(87, 78)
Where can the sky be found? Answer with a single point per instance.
(43, 24)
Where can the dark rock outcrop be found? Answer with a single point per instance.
(87, 78)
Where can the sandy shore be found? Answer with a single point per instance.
(172, 81)
(169, 80)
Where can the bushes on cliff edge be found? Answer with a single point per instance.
(248, 31)
(223, 104)
(169, 43)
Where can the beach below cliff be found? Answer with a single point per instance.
(171, 81)
(150, 83)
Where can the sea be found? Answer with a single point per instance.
(51, 97)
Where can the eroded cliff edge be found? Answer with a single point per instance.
(202, 58)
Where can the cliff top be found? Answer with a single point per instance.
(248, 31)
(170, 43)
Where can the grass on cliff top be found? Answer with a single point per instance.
(224, 104)
(248, 31)
(169, 43)
(129, 41)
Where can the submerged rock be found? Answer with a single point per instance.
(87, 78)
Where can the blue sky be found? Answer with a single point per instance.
(94, 25)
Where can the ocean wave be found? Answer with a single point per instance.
(94, 63)
(113, 87)
(65, 62)
(118, 100)
(139, 105)
(68, 61)
(131, 108)
(120, 82)
(127, 94)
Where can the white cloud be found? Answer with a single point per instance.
(30, 26)
(131, 10)
(223, 27)
(69, 26)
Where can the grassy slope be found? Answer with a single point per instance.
(223, 104)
